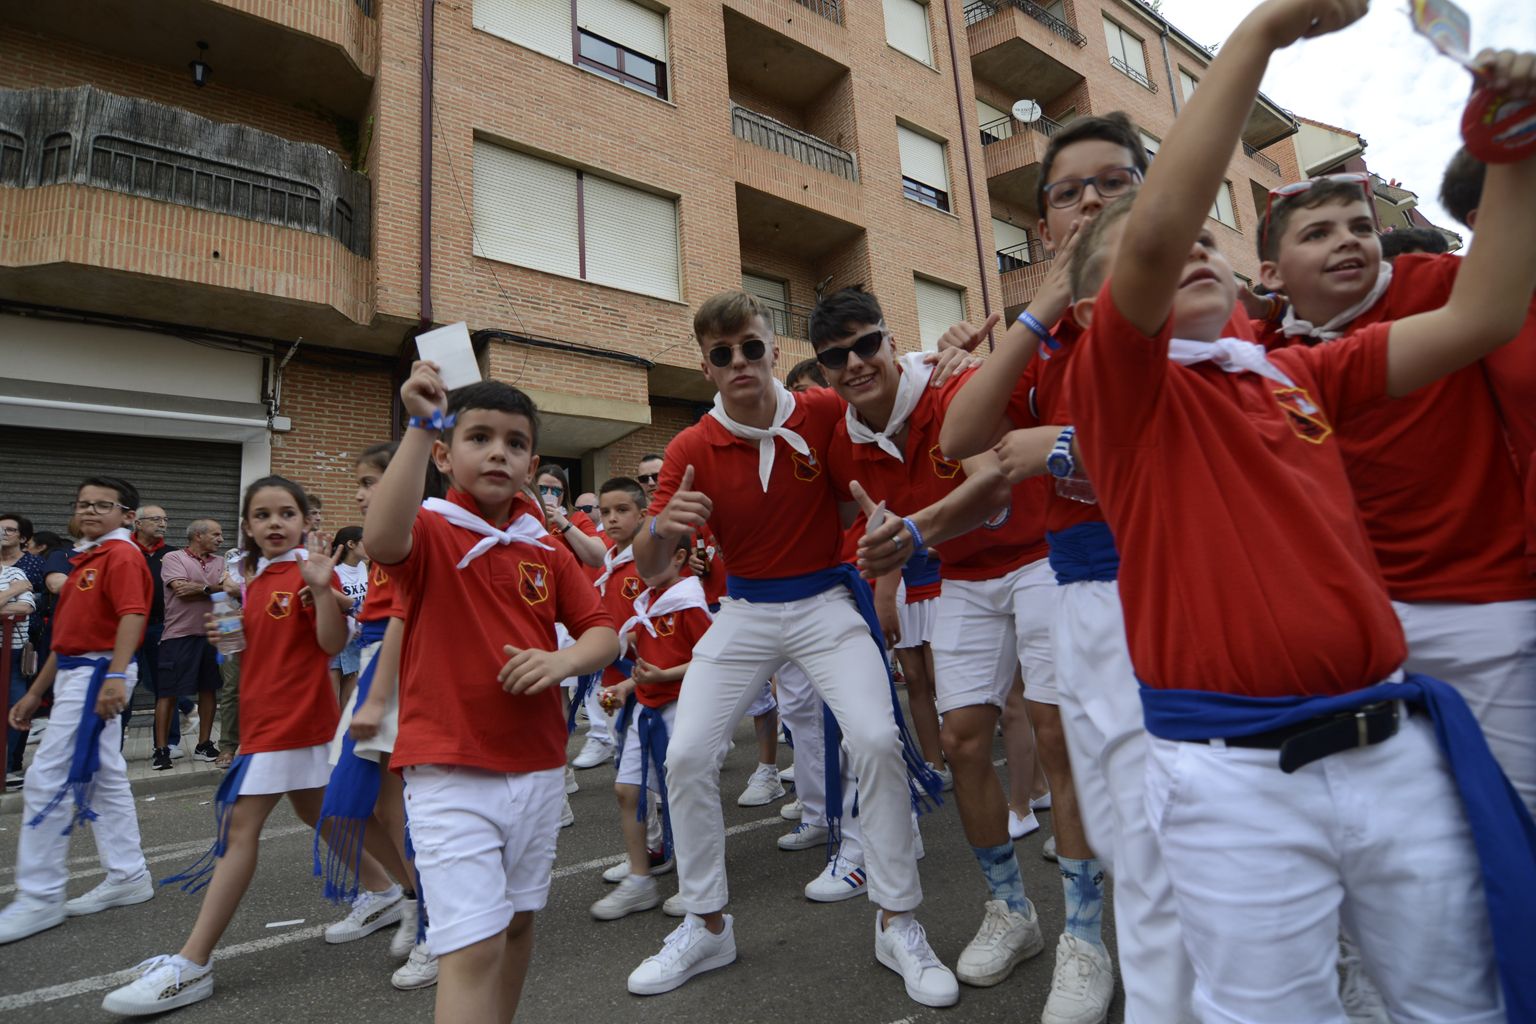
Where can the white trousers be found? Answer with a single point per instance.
(827, 638)
(1107, 742)
(1488, 652)
(1266, 866)
(42, 869)
(800, 709)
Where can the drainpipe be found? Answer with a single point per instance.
(1173, 87)
(427, 11)
(970, 177)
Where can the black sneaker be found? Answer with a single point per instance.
(162, 759)
(206, 752)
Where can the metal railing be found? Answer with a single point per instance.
(980, 10)
(1134, 75)
(366, 6)
(1017, 257)
(1004, 127)
(1261, 158)
(832, 10)
(762, 130)
(789, 319)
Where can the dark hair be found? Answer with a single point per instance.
(345, 536)
(127, 494)
(808, 369)
(837, 313)
(496, 397)
(557, 471)
(247, 542)
(315, 504)
(1395, 243)
(1283, 208)
(648, 456)
(49, 540)
(23, 524)
(378, 455)
(629, 485)
(1461, 190)
(1114, 127)
(1088, 258)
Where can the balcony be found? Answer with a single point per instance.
(1260, 158)
(1005, 127)
(832, 10)
(762, 130)
(1134, 75)
(982, 9)
(1013, 151)
(1021, 269)
(1024, 50)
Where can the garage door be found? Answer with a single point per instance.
(40, 469)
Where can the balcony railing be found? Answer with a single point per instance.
(1004, 127)
(1261, 158)
(832, 10)
(1134, 75)
(980, 10)
(789, 319)
(762, 130)
(86, 137)
(1017, 257)
(366, 6)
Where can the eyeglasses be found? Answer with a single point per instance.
(1116, 181)
(101, 508)
(553, 492)
(648, 478)
(1297, 188)
(588, 509)
(752, 350)
(9, 531)
(865, 346)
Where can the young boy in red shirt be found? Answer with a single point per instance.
(98, 624)
(1256, 615)
(482, 734)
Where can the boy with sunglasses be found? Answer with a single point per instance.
(754, 470)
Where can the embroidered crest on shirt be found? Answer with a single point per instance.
(1305, 418)
(666, 625)
(807, 467)
(280, 604)
(533, 582)
(87, 579)
(378, 576)
(997, 521)
(632, 587)
(943, 468)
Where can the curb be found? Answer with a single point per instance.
(148, 785)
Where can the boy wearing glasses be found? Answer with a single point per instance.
(754, 469)
(78, 773)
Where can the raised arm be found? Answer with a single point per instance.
(392, 509)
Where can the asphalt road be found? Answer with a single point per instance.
(798, 960)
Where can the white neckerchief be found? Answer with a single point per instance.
(1233, 355)
(121, 533)
(1293, 327)
(523, 530)
(292, 555)
(686, 593)
(612, 559)
(910, 384)
(764, 438)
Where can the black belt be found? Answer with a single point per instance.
(1316, 738)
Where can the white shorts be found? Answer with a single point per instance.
(917, 621)
(287, 771)
(563, 639)
(382, 742)
(985, 628)
(485, 845)
(764, 703)
(631, 756)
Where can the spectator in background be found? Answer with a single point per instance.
(229, 668)
(649, 473)
(352, 578)
(16, 537)
(187, 666)
(575, 528)
(1395, 243)
(17, 603)
(586, 502)
(149, 535)
(313, 518)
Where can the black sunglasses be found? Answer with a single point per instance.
(649, 478)
(865, 346)
(752, 350)
(588, 509)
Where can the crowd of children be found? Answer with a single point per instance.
(1266, 588)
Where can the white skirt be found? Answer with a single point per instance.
(382, 742)
(916, 622)
(285, 771)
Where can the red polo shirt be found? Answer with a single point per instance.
(617, 598)
(286, 698)
(672, 646)
(383, 599)
(104, 584)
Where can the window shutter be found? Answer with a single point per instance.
(922, 159)
(631, 238)
(1126, 47)
(542, 25)
(631, 26)
(987, 114)
(906, 28)
(525, 210)
(939, 307)
(1187, 82)
(1222, 208)
(1007, 235)
(774, 295)
(1150, 144)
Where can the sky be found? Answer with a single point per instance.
(1377, 78)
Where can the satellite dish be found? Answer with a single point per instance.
(1027, 111)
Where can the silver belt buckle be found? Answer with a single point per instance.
(1363, 731)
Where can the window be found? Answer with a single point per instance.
(774, 295)
(622, 65)
(542, 25)
(1125, 53)
(1067, 116)
(1222, 209)
(996, 124)
(906, 28)
(924, 170)
(939, 307)
(557, 219)
(617, 39)
(1151, 145)
(1012, 246)
(1057, 10)
(1187, 83)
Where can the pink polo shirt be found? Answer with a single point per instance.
(185, 617)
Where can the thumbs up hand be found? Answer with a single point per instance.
(687, 511)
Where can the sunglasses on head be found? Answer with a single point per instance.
(1297, 188)
(752, 350)
(649, 478)
(865, 346)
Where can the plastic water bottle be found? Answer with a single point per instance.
(226, 615)
(1077, 488)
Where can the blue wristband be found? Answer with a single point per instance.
(116, 675)
(653, 526)
(1029, 320)
(918, 547)
(437, 421)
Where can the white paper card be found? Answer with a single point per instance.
(449, 347)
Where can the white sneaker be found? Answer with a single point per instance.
(1019, 827)
(167, 982)
(1048, 851)
(660, 865)
(763, 787)
(634, 894)
(420, 971)
(903, 947)
(370, 912)
(404, 939)
(839, 880)
(792, 811)
(593, 753)
(1040, 803)
(112, 894)
(1082, 986)
(691, 949)
(804, 836)
(788, 775)
(178, 752)
(1362, 1002)
(1005, 939)
(28, 915)
(571, 785)
(567, 816)
(673, 907)
(946, 777)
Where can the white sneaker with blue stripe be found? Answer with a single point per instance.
(840, 880)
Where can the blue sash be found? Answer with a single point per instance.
(653, 754)
(921, 569)
(86, 760)
(196, 877)
(1084, 552)
(579, 694)
(1502, 829)
(350, 796)
(372, 632)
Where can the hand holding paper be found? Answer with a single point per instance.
(450, 348)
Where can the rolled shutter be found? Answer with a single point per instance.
(987, 114)
(631, 238)
(1007, 235)
(939, 307)
(542, 25)
(774, 295)
(922, 159)
(631, 26)
(906, 28)
(525, 211)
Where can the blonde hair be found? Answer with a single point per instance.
(1089, 261)
(728, 312)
